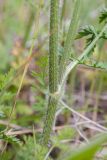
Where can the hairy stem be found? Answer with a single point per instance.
(53, 71)
(70, 37)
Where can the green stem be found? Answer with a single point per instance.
(53, 71)
(28, 29)
(70, 37)
(63, 11)
(106, 3)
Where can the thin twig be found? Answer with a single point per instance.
(83, 117)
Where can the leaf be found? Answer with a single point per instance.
(88, 151)
(103, 16)
(91, 63)
(10, 139)
(90, 32)
(94, 64)
(31, 150)
(66, 133)
(5, 78)
(104, 36)
(86, 31)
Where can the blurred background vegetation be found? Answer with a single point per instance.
(24, 24)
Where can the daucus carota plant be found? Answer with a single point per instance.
(61, 63)
(54, 71)
(58, 75)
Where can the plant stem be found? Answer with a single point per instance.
(63, 11)
(70, 37)
(53, 71)
(106, 3)
(28, 29)
(72, 65)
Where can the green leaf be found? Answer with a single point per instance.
(5, 78)
(103, 16)
(66, 133)
(86, 31)
(10, 139)
(88, 151)
(31, 150)
(89, 62)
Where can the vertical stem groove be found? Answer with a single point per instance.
(53, 71)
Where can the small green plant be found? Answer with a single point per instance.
(31, 150)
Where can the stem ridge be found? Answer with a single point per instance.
(53, 71)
